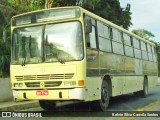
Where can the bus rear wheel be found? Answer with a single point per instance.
(102, 104)
(47, 104)
(144, 92)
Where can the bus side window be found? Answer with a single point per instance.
(117, 44)
(144, 51)
(104, 40)
(149, 52)
(154, 54)
(128, 44)
(137, 51)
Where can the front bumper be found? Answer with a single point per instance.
(57, 95)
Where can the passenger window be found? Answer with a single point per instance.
(143, 46)
(129, 51)
(128, 45)
(149, 48)
(103, 30)
(104, 37)
(144, 55)
(104, 44)
(149, 52)
(106, 31)
(118, 48)
(144, 50)
(100, 27)
(127, 39)
(154, 54)
(137, 53)
(116, 35)
(136, 43)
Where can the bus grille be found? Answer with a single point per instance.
(45, 84)
(45, 77)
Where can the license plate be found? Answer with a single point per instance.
(41, 92)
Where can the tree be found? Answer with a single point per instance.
(125, 17)
(110, 10)
(143, 33)
(7, 10)
(28, 5)
(60, 3)
(4, 59)
(48, 3)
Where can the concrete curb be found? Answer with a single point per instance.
(19, 106)
(5, 90)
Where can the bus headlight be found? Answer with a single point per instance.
(69, 83)
(18, 84)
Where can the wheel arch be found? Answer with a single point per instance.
(107, 78)
(145, 78)
(144, 92)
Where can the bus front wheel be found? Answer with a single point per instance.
(47, 104)
(102, 104)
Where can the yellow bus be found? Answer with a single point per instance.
(71, 54)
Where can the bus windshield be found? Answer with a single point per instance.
(59, 42)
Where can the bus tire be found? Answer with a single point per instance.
(144, 92)
(102, 104)
(47, 104)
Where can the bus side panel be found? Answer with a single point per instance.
(93, 78)
(149, 69)
(93, 88)
(153, 78)
(134, 78)
(117, 85)
(113, 65)
(133, 84)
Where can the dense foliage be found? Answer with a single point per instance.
(111, 10)
(143, 33)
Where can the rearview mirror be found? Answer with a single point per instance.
(88, 25)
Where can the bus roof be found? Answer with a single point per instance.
(94, 16)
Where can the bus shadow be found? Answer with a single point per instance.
(130, 102)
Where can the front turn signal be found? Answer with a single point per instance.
(80, 82)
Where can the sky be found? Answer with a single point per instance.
(145, 15)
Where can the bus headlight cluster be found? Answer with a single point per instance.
(69, 83)
(18, 84)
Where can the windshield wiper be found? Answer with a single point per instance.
(30, 43)
(23, 62)
(59, 60)
(23, 50)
